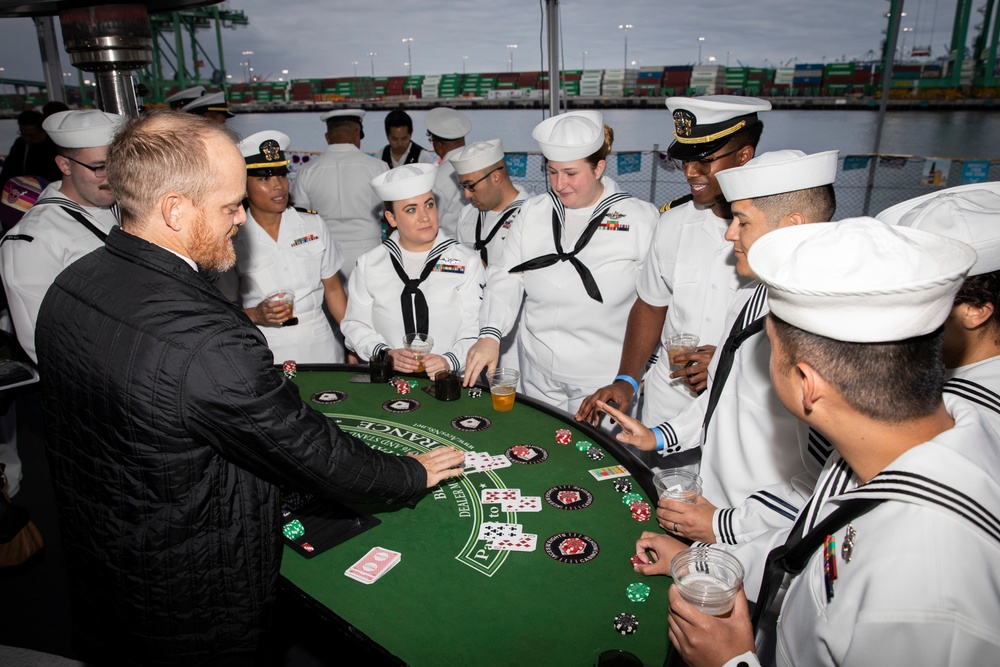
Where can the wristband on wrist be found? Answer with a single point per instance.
(660, 440)
(631, 381)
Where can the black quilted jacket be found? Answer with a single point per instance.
(167, 430)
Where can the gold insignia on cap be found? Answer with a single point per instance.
(683, 123)
(270, 150)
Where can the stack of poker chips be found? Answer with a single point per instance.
(626, 624)
(623, 485)
(563, 436)
(288, 368)
(583, 445)
(595, 454)
(475, 392)
(637, 592)
(641, 511)
(403, 386)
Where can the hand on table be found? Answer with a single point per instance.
(440, 463)
(696, 375)
(633, 432)
(693, 520)
(484, 354)
(707, 641)
(663, 548)
(270, 311)
(618, 391)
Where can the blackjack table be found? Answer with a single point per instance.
(453, 599)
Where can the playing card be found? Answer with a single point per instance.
(476, 460)
(609, 472)
(490, 496)
(495, 462)
(525, 542)
(492, 530)
(522, 504)
(375, 563)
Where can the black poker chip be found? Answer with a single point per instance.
(329, 397)
(527, 454)
(595, 454)
(572, 548)
(622, 485)
(626, 624)
(471, 423)
(569, 497)
(401, 405)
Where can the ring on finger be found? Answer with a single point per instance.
(675, 527)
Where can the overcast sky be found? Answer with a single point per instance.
(322, 38)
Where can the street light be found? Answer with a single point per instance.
(372, 54)
(409, 59)
(284, 72)
(626, 27)
(511, 47)
(464, 58)
(700, 40)
(902, 49)
(355, 63)
(584, 60)
(246, 72)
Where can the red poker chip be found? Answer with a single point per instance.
(636, 561)
(572, 546)
(521, 450)
(564, 436)
(640, 506)
(641, 516)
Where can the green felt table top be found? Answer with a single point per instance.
(453, 601)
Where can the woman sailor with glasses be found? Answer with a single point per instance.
(573, 257)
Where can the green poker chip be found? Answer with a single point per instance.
(583, 445)
(630, 498)
(294, 529)
(637, 592)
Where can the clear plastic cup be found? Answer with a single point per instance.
(678, 484)
(286, 296)
(707, 579)
(420, 345)
(503, 388)
(680, 343)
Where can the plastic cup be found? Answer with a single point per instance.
(503, 388)
(288, 297)
(420, 345)
(380, 367)
(707, 579)
(678, 484)
(680, 343)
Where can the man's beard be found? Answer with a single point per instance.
(208, 251)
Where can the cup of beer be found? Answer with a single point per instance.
(503, 386)
(420, 345)
(680, 343)
(678, 484)
(707, 579)
(286, 296)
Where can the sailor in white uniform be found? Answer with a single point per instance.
(212, 106)
(71, 218)
(446, 130)
(574, 257)
(417, 281)
(336, 185)
(281, 249)
(180, 99)
(748, 440)
(910, 498)
(494, 204)
(690, 277)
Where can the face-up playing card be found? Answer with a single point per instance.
(495, 462)
(524, 542)
(375, 563)
(476, 460)
(490, 496)
(492, 530)
(522, 504)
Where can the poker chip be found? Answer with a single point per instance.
(564, 436)
(636, 561)
(630, 498)
(623, 485)
(475, 392)
(595, 454)
(572, 546)
(413, 383)
(626, 624)
(521, 450)
(288, 368)
(637, 592)
(641, 511)
(294, 529)
(583, 445)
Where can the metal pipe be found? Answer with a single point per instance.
(892, 34)
(555, 90)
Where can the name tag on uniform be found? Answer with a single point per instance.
(449, 265)
(305, 239)
(611, 223)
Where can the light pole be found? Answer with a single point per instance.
(247, 54)
(700, 41)
(355, 63)
(626, 27)
(372, 54)
(284, 73)
(464, 58)
(902, 49)
(511, 48)
(409, 58)
(584, 60)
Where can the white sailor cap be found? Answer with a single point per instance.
(182, 97)
(88, 128)
(206, 103)
(892, 214)
(447, 123)
(703, 125)
(860, 280)
(574, 135)
(476, 156)
(347, 114)
(264, 153)
(777, 172)
(405, 182)
(971, 216)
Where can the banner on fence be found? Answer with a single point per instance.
(935, 171)
(975, 171)
(629, 163)
(517, 164)
(852, 162)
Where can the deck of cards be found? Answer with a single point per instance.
(374, 565)
(481, 462)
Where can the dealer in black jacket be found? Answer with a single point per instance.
(168, 426)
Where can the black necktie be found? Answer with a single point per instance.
(560, 256)
(412, 301)
(481, 243)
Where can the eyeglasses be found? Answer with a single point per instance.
(471, 187)
(100, 172)
(701, 165)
